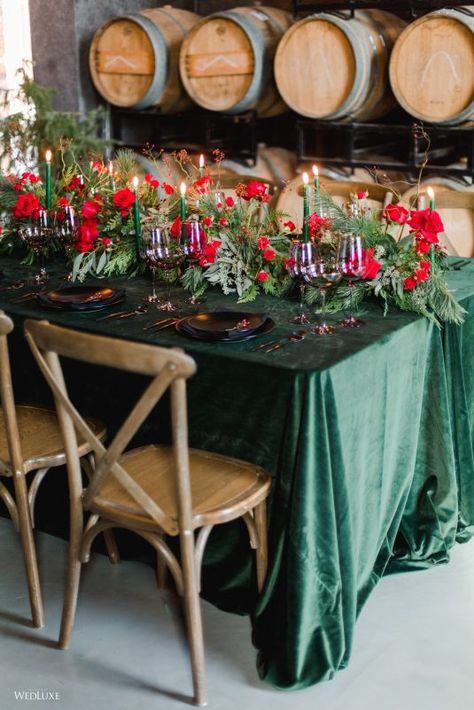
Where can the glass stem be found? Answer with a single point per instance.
(322, 291)
(302, 287)
(351, 302)
(153, 284)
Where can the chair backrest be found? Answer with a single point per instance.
(7, 398)
(167, 368)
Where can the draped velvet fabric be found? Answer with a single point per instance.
(369, 435)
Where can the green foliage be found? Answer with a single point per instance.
(24, 136)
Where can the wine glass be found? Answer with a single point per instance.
(160, 251)
(66, 231)
(301, 255)
(196, 240)
(323, 273)
(351, 261)
(37, 235)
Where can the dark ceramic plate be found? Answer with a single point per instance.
(227, 323)
(81, 294)
(222, 336)
(81, 298)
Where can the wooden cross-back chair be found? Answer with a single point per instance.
(30, 443)
(152, 490)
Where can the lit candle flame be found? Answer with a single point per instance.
(201, 161)
(305, 177)
(315, 171)
(430, 192)
(135, 182)
(48, 155)
(111, 168)
(182, 189)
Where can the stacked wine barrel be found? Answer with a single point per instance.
(226, 60)
(325, 66)
(330, 66)
(432, 67)
(134, 59)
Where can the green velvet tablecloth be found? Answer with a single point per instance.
(369, 436)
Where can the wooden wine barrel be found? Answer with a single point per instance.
(432, 67)
(329, 66)
(226, 60)
(134, 59)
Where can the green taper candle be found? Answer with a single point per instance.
(305, 207)
(136, 215)
(48, 156)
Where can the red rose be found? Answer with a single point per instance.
(289, 263)
(263, 242)
(106, 241)
(269, 254)
(396, 213)
(63, 202)
(202, 184)
(90, 209)
(207, 221)
(152, 181)
(290, 225)
(25, 205)
(87, 235)
(422, 246)
(255, 190)
(372, 267)
(426, 222)
(362, 195)
(175, 230)
(209, 253)
(409, 284)
(223, 222)
(422, 273)
(169, 189)
(229, 201)
(219, 205)
(123, 200)
(262, 276)
(76, 184)
(316, 224)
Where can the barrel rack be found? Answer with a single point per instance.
(397, 136)
(413, 7)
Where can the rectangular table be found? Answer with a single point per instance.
(369, 436)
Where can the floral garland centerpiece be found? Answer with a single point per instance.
(406, 263)
(247, 249)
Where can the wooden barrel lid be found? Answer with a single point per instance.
(217, 63)
(432, 67)
(122, 61)
(315, 67)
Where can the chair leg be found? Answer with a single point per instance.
(193, 617)
(73, 575)
(161, 571)
(29, 551)
(261, 553)
(88, 466)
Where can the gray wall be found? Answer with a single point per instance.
(62, 31)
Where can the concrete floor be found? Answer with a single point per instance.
(414, 645)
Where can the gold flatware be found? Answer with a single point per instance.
(163, 322)
(125, 314)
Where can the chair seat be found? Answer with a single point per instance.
(222, 488)
(41, 440)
